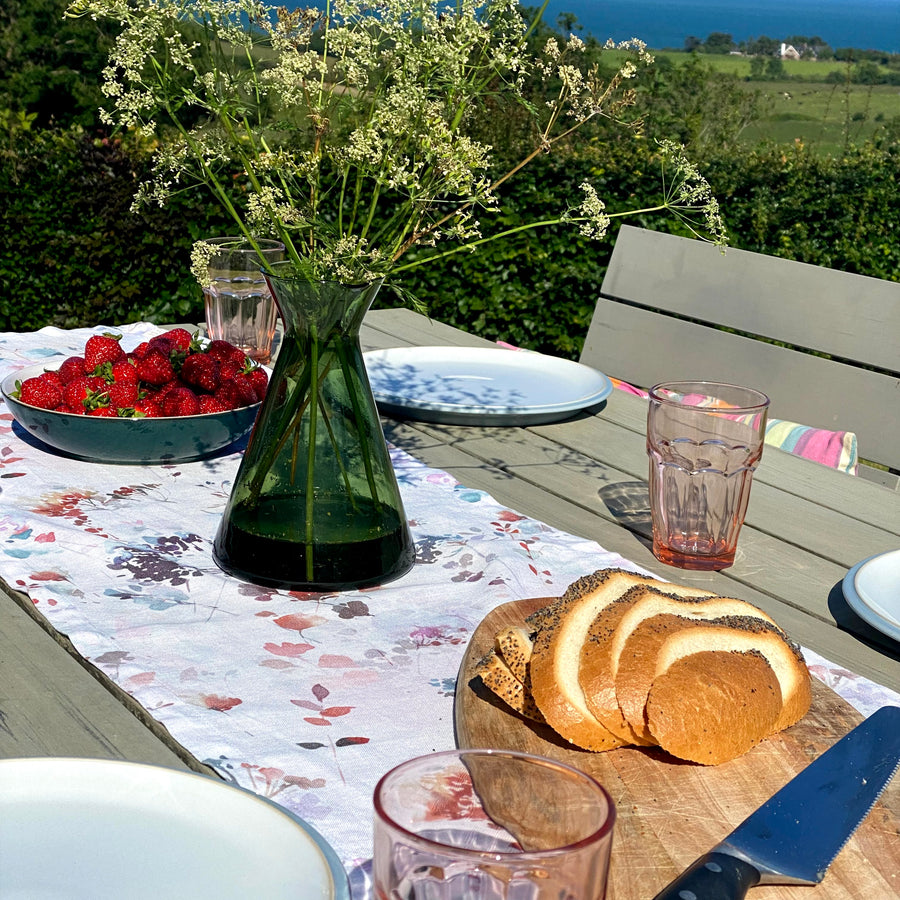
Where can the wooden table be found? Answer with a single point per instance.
(805, 527)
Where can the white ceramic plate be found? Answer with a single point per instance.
(872, 589)
(481, 385)
(88, 829)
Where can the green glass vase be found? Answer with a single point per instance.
(315, 505)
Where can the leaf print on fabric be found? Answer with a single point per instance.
(220, 704)
(446, 686)
(352, 609)
(270, 781)
(288, 649)
(299, 622)
(437, 636)
(157, 561)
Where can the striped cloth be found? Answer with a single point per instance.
(836, 449)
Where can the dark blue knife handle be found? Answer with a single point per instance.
(715, 876)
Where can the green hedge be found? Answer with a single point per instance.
(74, 254)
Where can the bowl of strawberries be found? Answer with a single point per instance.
(173, 398)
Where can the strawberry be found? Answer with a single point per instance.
(225, 351)
(40, 392)
(237, 392)
(108, 412)
(202, 371)
(162, 343)
(155, 368)
(122, 394)
(259, 380)
(72, 368)
(77, 391)
(181, 402)
(125, 371)
(210, 404)
(78, 410)
(140, 351)
(101, 348)
(146, 409)
(180, 338)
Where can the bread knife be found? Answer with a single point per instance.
(794, 836)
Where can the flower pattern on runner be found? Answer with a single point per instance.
(306, 698)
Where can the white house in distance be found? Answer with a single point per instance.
(789, 52)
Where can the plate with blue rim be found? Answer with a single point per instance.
(872, 590)
(482, 385)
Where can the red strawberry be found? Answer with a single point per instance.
(122, 394)
(201, 371)
(41, 392)
(140, 351)
(77, 391)
(226, 352)
(237, 392)
(180, 337)
(101, 348)
(155, 368)
(72, 368)
(108, 412)
(124, 371)
(181, 402)
(259, 379)
(210, 404)
(72, 410)
(146, 409)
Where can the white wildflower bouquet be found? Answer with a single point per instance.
(347, 132)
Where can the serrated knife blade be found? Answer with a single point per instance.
(794, 837)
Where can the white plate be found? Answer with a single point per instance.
(481, 385)
(872, 589)
(89, 829)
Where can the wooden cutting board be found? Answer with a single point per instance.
(670, 812)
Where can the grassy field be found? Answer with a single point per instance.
(827, 116)
(824, 116)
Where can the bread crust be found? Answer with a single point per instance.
(496, 675)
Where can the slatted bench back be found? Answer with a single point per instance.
(665, 300)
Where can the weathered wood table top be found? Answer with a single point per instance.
(806, 526)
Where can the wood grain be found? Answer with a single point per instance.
(668, 811)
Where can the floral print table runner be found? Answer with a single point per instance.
(304, 698)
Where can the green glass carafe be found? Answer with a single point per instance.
(315, 505)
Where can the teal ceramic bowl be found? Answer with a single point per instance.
(167, 439)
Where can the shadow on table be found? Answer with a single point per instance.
(847, 620)
(629, 503)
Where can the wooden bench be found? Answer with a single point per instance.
(674, 308)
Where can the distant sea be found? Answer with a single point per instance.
(863, 24)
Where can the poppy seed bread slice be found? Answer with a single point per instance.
(746, 634)
(714, 705)
(598, 666)
(640, 634)
(496, 675)
(556, 656)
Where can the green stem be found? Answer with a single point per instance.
(311, 449)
